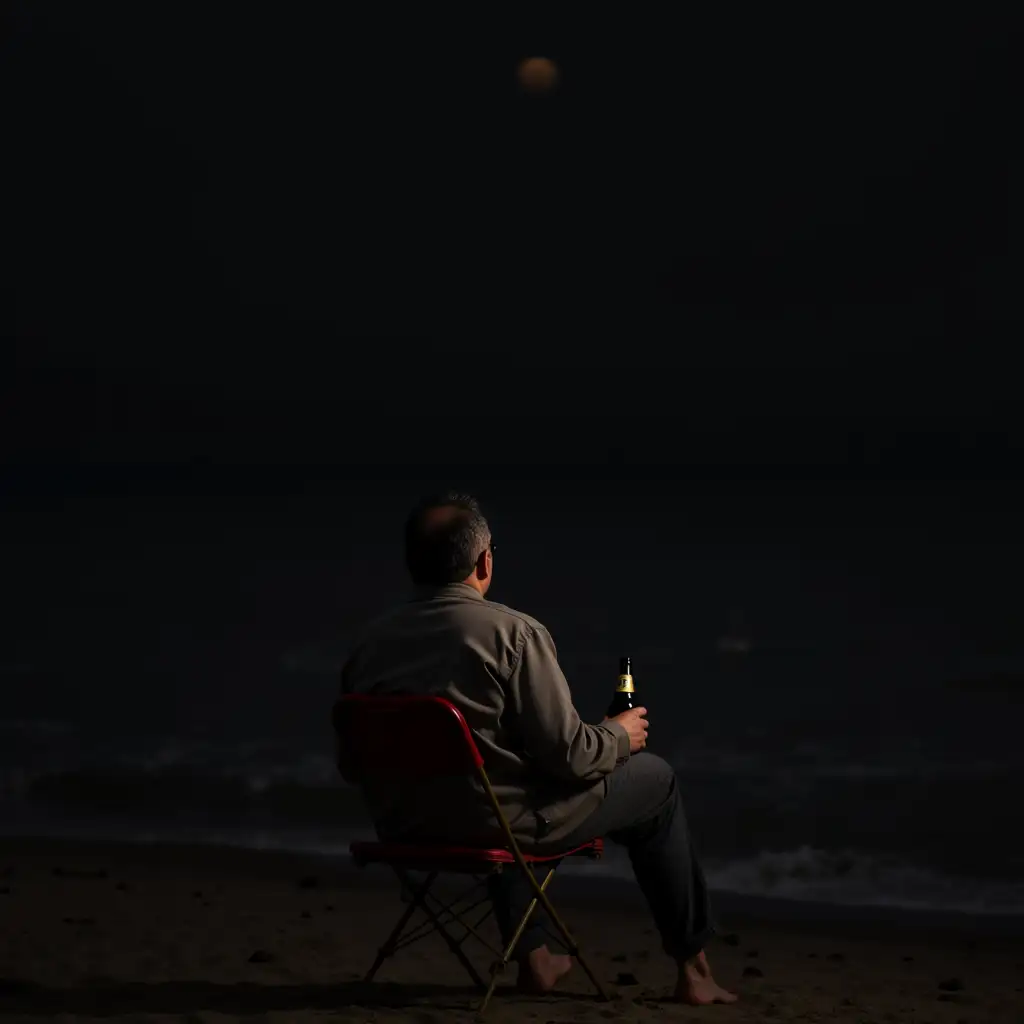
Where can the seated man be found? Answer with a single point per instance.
(559, 781)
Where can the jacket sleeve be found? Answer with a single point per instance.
(552, 731)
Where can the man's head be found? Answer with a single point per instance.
(447, 540)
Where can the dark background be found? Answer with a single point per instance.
(722, 333)
(253, 252)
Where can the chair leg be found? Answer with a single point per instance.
(498, 967)
(389, 946)
(471, 929)
(452, 944)
(570, 943)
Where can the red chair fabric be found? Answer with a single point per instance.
(398, 738)
(410, 855)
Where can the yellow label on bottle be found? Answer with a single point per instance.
(625, 684)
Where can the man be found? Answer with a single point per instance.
(559, 781)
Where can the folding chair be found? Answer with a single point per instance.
(398, 738)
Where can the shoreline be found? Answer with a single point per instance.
(579, 889)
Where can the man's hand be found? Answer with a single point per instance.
(634, 722)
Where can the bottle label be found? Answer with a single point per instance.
(625, 684)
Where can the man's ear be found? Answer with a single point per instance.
(483, 565)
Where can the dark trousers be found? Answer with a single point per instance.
(643, 811)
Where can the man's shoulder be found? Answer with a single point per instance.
(513, 616)
(463, 613)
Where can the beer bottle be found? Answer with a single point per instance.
(625, 696)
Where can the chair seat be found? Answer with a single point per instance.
(458, 858)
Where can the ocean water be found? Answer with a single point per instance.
(921, 818)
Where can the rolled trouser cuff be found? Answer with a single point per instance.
(687, 948)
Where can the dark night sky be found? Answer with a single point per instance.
(729, 318)
(260, 177)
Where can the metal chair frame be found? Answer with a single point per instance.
(437, 860)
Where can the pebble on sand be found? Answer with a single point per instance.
(261, 956)
(951, 985)
(753, 972)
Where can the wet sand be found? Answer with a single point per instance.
(164, 933)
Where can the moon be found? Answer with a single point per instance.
(537, 75)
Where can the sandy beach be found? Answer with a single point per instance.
(160, 933)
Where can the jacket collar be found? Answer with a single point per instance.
(448, 590)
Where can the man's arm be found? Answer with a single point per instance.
(552, 730)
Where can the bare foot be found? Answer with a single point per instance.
(541, 970)
(696, 985)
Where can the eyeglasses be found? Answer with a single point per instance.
(491, 547)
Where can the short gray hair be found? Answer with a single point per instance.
(444, 550)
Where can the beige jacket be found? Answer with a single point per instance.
(500, 669)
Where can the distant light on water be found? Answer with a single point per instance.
(734, 645)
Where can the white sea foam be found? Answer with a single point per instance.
(842, 878)
(845, 878)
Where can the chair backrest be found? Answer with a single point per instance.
(403, 737)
